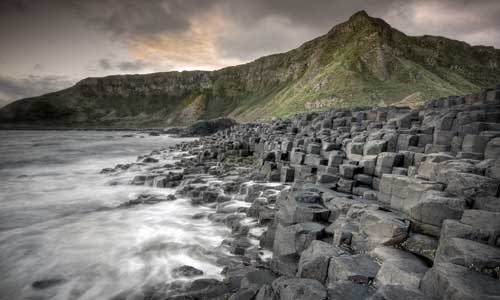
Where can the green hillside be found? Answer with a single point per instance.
(363, 61)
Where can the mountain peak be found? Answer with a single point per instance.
(362, 14)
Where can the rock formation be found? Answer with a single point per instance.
(362, 203)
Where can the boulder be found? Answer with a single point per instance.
(474, 143)
(186, 271)
(376, 228)
(471, 185)
(336, 158)
(345, 185)
(208, 127)
(386, 161)
(294, 239)
(265, 293)
(354, 151)
(347, 290)
(404, 272)
(492, 149)
(374, 147)
(384, 253)
(489, 203)
(285, 265)
(255, 279)
(300, 207)
(434, 207)
(494, 170)
(315, 259)
(422, 245)
(348, 171)
(359, 268)
(450, 281)
(471, 254)
(299, 289)
(398, 292)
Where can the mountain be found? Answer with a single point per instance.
(363, 61)
(4, 102)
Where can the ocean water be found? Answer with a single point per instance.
(62, 234)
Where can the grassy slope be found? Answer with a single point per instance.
(361, 62)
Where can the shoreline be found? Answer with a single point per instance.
(379, 203)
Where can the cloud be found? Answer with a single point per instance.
(105, 64)
(210, 34)
(130, 17)
(17, 88)
(475, 22)
(126, 66)
(38, 67)
(215, 33)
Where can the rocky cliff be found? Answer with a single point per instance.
(363, 61)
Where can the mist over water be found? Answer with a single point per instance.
(61, 233)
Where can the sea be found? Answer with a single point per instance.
(64, 233)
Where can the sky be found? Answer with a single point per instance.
(48, 45)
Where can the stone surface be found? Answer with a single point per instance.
(299, 289)
(347, 290)
(314, 260)
(359, 268)
(294, 239)
(450, 281)
(404, 272)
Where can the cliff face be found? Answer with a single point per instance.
(363, 61)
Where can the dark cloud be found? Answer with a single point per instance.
(259, 27)
(192, 33)
(131, 17)
(17, 88)
(38, 67)
(105, 64)
(125, 66)
(135, 65)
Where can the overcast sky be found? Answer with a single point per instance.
(46, 45)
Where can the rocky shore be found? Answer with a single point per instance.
(367, 203)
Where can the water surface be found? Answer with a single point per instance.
(61, 233)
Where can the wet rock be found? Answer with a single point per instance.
(186, 271)
(404, 272)
(244, 294)
(47, 283)
(148, 200)
(294, 239)
(397, 292)
(434, 207)
(359, 268)
(286, 265)
(492, 149)
(450, 281)
(376, 228)
(314, 260)
(347, 290)
(265, 293)
(150, 160)
(206, 289)
(256, 279)
(299, 289)
(471, 185)
(422, 245)
(471, 254)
